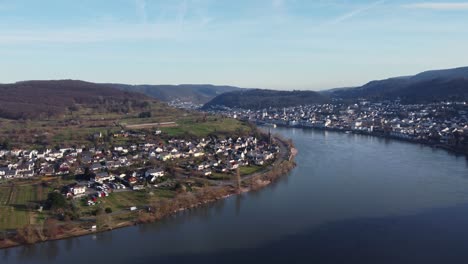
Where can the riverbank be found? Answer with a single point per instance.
(164, 208)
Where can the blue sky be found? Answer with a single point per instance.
(279, 44)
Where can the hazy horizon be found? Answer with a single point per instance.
(271, 44)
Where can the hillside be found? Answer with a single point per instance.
(421, 88)
(39, 114)
(257, 99)
(198, 94)
(45, 99)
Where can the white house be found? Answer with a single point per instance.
(154, 173)
(78, 190)
(103, 176)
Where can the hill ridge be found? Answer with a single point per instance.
(264, 98)
(427, 86)
(46, 98)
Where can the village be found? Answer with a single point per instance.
(155, 162)
(443, 124)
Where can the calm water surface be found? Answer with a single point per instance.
(351, 199)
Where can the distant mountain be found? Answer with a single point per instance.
(424, 87)
(259, 98)
(40, 99)
(196, 93)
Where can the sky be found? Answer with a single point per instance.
(277, 44)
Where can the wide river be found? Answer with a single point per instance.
(351, 199)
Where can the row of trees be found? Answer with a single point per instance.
(161, 207)
(50, 229)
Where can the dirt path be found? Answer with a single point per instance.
(10, 196)
(149, 125)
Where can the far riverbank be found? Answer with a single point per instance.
(448, 148)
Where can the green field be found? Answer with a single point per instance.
(247, 170)
(220, 176)
(124, 200)
(18, 203)
(4, 195)
(11, 218)
(13, 209)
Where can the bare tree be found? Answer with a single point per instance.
(51, 228)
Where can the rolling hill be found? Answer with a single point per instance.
(259, 98)
(195, 93)
(450, 84)
(41, 99)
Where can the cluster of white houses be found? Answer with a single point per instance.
(200, 157)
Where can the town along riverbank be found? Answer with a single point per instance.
(158, 208)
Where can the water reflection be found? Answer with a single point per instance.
(70, 244)
(52, 250)
(104, 238)
(238, 204)
(6, 255)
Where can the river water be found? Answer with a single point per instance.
(351, 199)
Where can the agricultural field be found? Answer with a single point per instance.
(18, 202)
(14, 201)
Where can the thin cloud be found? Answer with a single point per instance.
(356, 12)
(140, 6)
(182, 13)
(438, 6)
(277, 3)
(176, 25)
(114, 32)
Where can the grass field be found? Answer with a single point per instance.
(11, 218)
(4, 195)
(247, 170)
(220, 176)
(17, 203)
(13, 210)
(124, 200)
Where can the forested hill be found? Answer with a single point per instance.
(259, 98)
(450, 84)
(195, 93)
(43, 99)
